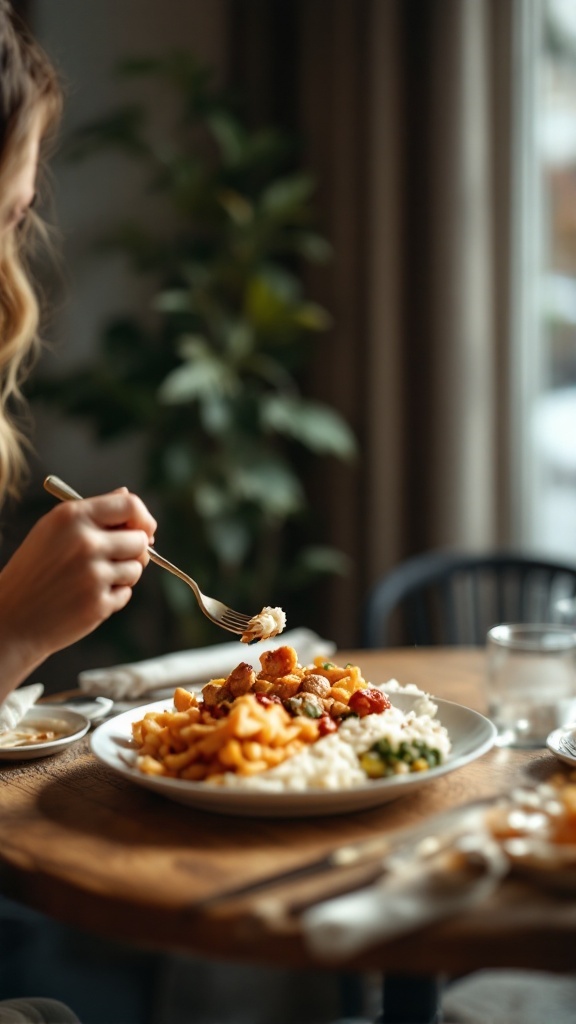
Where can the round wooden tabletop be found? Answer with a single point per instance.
(91, 849)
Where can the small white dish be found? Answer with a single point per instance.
(69, 725)
(554, 743)
(471, 734)
(93, 708)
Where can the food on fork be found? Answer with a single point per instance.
(268, 623)
(289, 727)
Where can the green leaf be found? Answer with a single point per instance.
(312, 317)
(229, 135)
(285, 197)
(210, 500)
(270, 484)
(323, 560)
(264, 151)
(269, 300)
(318, 427)
(189, 383)
(216, 415)
(173, 300)
(238, 208)
(203, 375)
(239, 340)
(312, 247)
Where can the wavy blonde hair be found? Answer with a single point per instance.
(30, 95)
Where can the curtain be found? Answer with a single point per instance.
(406, 109)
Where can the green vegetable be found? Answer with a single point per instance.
(383, 759)
(301, 706)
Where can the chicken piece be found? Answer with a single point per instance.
(281, 662)
(263, 686)
(313, 683)
(286, 686)
(241, 680)
(214, 693)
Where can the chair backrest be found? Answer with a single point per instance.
(446, 597)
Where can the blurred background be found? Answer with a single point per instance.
(317, 306)
(314, 297)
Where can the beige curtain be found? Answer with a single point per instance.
(406, 108)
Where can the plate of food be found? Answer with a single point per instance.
(42, 732)
(291, 740)
(536, 828)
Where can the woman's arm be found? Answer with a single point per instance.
(76, 567)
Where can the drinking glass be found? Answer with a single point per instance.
(565, 611)
(531, 681)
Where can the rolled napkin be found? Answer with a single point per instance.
(17, 703)
(185, 668)
(411, 894)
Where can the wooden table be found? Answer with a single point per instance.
(94, 851)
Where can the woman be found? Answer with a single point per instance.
(76, 567)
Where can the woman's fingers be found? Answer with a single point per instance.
(125, 573)
(115, 526)
(120, 508)
(121, 544)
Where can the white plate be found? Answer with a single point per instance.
(94, 708)
(471, 735)
(39, 717)
(554, 743)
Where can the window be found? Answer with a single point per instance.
(548, 269)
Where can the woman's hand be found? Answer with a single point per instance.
(74, 569)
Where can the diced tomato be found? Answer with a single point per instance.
(216, 710)
(368, 702)
(266, 701)
(326, 725)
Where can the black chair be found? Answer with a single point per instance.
(451, 598)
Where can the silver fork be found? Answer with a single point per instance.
(216, 611)
(567, 743)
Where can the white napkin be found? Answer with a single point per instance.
(185, 668)
(17, 703)
(412, 895)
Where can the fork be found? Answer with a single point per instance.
(216, 611)
(567, 743)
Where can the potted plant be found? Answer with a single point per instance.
(212, 385)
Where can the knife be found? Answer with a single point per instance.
(415, 841)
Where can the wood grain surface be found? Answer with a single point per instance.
(87, 847)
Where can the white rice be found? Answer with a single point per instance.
(332, 762)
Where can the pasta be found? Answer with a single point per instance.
(190, 743)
